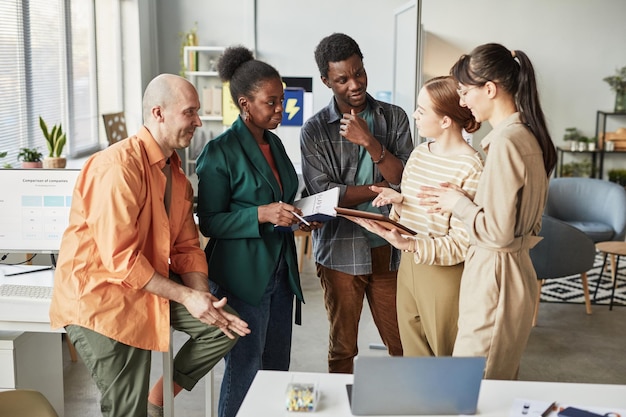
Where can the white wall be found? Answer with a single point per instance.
(287, 34)
(572, 43)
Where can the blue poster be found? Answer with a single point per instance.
(293, 107)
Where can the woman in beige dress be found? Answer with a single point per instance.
(430, 270)
(499, 284)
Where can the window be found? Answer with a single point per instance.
(47, 69)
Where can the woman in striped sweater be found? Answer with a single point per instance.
(430, 270)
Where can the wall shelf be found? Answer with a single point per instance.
(200, 64)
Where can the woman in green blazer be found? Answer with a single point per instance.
(246, 186)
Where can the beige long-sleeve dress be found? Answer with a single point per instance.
(499, 284)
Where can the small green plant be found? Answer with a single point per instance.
(592, 139)
(577, 169)
(617, 82)
(572, 133)
(29, 155)
(618, 176)
(6, 164)
(55, 138)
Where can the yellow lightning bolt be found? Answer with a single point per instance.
(291, 109)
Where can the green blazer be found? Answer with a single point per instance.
(234, 180)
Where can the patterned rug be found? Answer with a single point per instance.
(569, 289)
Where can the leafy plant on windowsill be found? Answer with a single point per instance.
(6, 164)
(55, 138)
(29, 155)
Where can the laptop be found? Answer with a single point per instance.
(415, 385)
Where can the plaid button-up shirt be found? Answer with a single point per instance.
(329, 160)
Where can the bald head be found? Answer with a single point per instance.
(164, 89)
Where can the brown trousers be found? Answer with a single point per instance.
(343, 298)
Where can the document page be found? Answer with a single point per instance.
(323, 203)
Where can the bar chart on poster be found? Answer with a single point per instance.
(34, 208)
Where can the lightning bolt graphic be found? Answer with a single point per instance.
(291, 109)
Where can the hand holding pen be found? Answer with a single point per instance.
(298, 216)
(280, 214)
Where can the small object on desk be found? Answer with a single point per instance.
(11, 270)
(301, 397)
(531, 408)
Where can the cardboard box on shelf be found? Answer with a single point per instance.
(618, 138)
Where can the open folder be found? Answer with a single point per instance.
(382, 220)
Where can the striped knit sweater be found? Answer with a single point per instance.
(441, 238)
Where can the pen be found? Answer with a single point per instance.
(299, 217)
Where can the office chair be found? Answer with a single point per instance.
(25, 403)
(563, 251)
(115, 127)
(597, 207)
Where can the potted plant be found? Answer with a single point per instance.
(572, 135)
(618, 176)
(591, 143)
(55, 141)
(617, 83)
(6, 164)
(30, 157)
(577, 169)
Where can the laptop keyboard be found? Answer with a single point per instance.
(26, 291)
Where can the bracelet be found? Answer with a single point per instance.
(412, 245)
(382, 156)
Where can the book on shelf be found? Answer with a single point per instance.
(318, 207)
(212, 100)
(381, 219)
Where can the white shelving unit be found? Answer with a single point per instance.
(200, 69)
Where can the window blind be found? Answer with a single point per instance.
(47, 70)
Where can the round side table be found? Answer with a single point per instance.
(613, 248)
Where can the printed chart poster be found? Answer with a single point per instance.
(35, 207)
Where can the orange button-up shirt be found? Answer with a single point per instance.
(119, 235)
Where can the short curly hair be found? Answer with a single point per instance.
(334, 48)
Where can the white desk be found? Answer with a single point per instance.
(266, 396)
(33, 316)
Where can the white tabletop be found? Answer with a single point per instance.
(266, 396)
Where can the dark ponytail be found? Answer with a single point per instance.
(512, 71)
(527, 100)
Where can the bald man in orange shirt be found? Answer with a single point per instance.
(130, 263)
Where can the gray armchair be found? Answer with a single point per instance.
(563, 251)
(596, 207)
